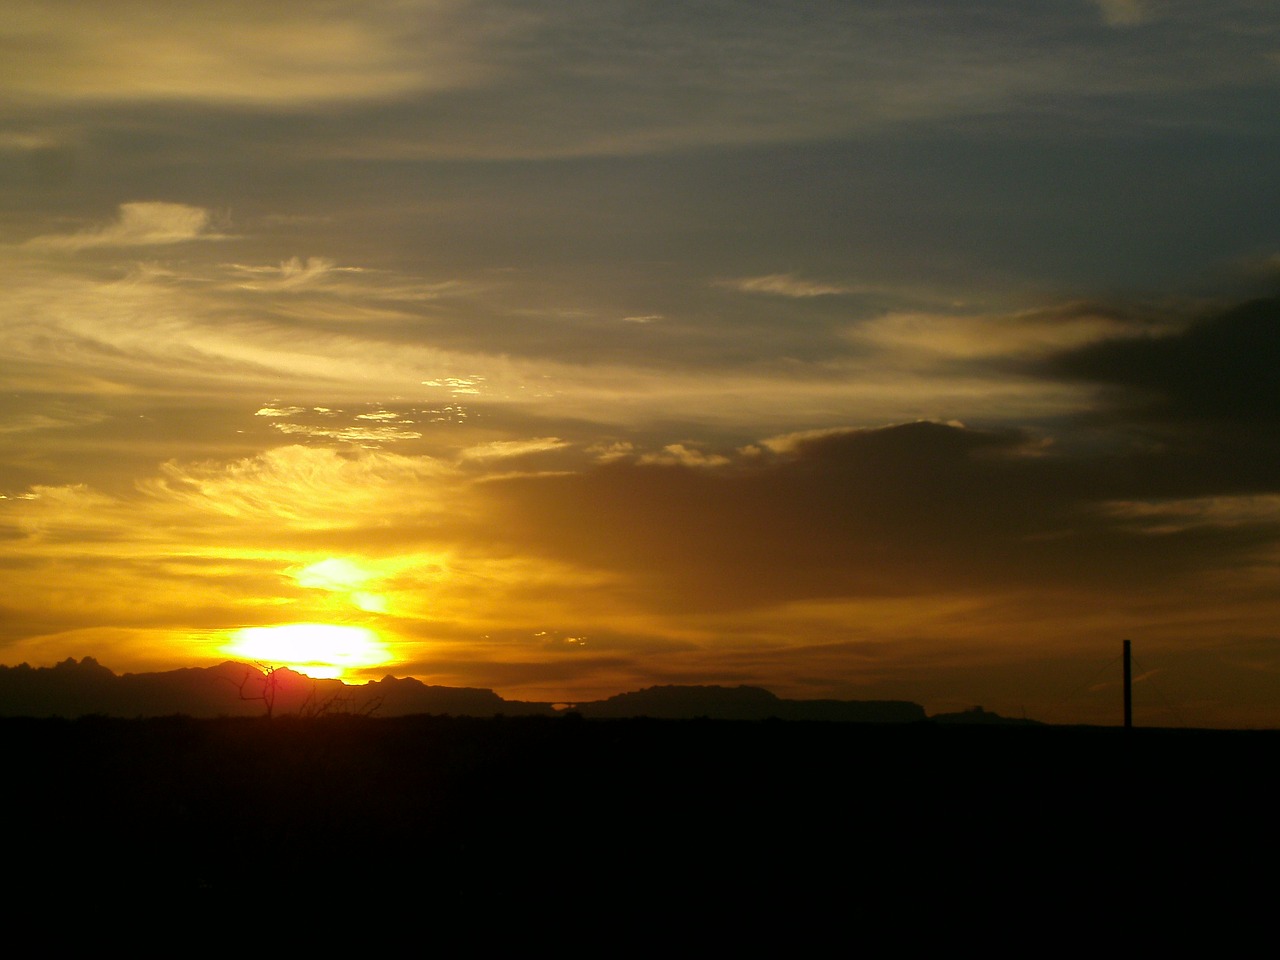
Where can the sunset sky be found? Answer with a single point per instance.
(848, 348)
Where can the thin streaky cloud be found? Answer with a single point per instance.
(138, 224)
(283, 56)
(680, 454)
(291, 274)
(788, 285)
(506, 449)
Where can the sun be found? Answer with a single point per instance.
(324, 651)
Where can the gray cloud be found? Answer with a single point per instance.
(288, 55)
(918, 508)
(494, 79)
(1221, 367)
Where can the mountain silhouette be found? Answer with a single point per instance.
(74, 688)
(230, 689)
(746, 703)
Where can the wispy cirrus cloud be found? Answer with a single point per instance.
(288, 54)
(324, 275)
(292, 274)
(787, 285)
(461, 79)
(301, 487)
(148, 322)
(924, 338)
(505, 449)
(139, 224)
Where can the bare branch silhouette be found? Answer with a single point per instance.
(270, 683)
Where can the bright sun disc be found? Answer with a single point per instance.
(320, 650)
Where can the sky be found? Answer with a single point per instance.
(860, 349)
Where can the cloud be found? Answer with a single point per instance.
(66, 514)
(81, 326)
(359, 287)
(458, 386)
(627, 80)
(929, 338)
(288, 54)
(209, 545)
(364, 436)
(1123, 13)
(369, 429)
(685, 456)
(57, 418)
(793, 443)
(23, 141)
(506, 449)
(915, 509)
(1175, 515)
(1219, 367)
(607, 451)
(302, 488)
(138, 224)
(786, 285)
(292, 274)
(273, 411)
(453, 78)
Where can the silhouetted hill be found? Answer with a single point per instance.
(976, 715)
(746, 703)
(87, 688)
(230, 689)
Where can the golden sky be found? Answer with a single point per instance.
(864, 350)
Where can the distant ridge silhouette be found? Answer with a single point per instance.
(746, 703)
(976, 716)
(230, 689)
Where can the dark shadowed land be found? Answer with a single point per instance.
(724, 829)
(721, 831)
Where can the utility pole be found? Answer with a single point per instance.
(1128, 689)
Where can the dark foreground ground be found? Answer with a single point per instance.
(784, 830)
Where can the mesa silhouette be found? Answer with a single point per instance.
(230, 689)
